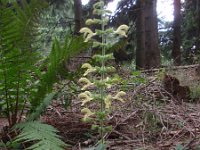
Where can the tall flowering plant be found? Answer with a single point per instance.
(100, 76)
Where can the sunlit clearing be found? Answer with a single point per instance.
(164, 8)
(84, 2)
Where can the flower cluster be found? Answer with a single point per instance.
(102, 74)
(88, 33)
(106, 83)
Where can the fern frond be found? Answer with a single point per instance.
(18, 55)
(60, 54)
(42, 135)
(42, 107)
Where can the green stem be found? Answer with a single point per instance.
(6, 97)
(102, 89)
(17, 99)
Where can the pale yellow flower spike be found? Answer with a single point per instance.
(108, 85)
(88, 34)
(90, 69)
(88, 93)
(87, 86)
(86, 83)
(87, 112)
(86, 97)
(122, 30)
(108, 101)
(84, 80)
(86, 65)
(89, 21)
(119, 95)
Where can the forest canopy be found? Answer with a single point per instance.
(102, 79)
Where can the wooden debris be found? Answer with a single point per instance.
(172, 85)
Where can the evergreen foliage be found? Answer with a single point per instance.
(191, 31)
(56, 21)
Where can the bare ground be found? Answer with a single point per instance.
(150, 119)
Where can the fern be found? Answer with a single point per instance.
(60, 53)
(18, 56)
(42, 135)
(39, 110)
(21, 79)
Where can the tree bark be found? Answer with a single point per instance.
(198, 25)
(148, 52)
(151, 33)
(140, 35)
(78, 16)
(176, 51)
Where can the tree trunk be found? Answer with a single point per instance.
(151, 33)
(140, 36)
(78, 15)
(198, 25)
(176, 52)
(148, 52)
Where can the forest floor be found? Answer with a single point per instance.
(152, 118)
